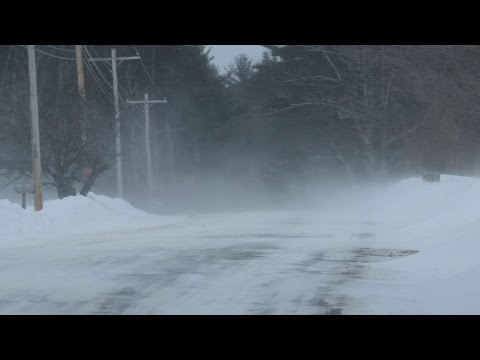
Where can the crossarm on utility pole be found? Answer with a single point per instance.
(149, 101)
(118, 142)
(118, 58)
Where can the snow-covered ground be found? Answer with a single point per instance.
(407, 248)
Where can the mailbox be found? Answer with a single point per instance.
(431, 177)
(24, 189)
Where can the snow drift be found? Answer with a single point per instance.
(442, 220)
(73, 215)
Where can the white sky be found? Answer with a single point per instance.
(224, 54)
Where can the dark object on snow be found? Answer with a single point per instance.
(431, 177)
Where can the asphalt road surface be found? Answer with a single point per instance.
(248, 263)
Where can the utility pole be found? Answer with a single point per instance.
(81, 89)
(36, 160)
(146, 102)
(118, 140)
(170, 145)
(169, 130)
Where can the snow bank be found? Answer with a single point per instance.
(442, 220)
(414, 200)
(73, 215)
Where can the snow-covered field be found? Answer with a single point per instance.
(407, 248)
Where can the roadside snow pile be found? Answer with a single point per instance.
(441, 217)
(416, 213)
(73, 215)
(14, 221)
(88, 210)
(414, 200)
(442, 220)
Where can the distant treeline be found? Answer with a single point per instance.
(303, 111)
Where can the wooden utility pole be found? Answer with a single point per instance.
(146, 102)
(170, 144)
(81, 89)
(118, 140)
(118, 137)
(36, 159)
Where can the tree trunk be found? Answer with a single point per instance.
(65, 189)
(87, 186)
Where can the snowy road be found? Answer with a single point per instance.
(246, 263)
(348, 255)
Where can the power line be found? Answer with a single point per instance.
(94, 75)
(57, 48)
(46, 53)
(106, 67)
(146, 71)
(101, 86)
(98, 56)
(118, 143)
(106, 93)
(96, 67)
(54, 56)
(101, 74)
(143, 64)
(122, 100)
(121, 88)
(97, 81)
(125, 111)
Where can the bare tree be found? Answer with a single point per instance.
(67, 158)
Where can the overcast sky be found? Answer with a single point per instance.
(224, 54)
